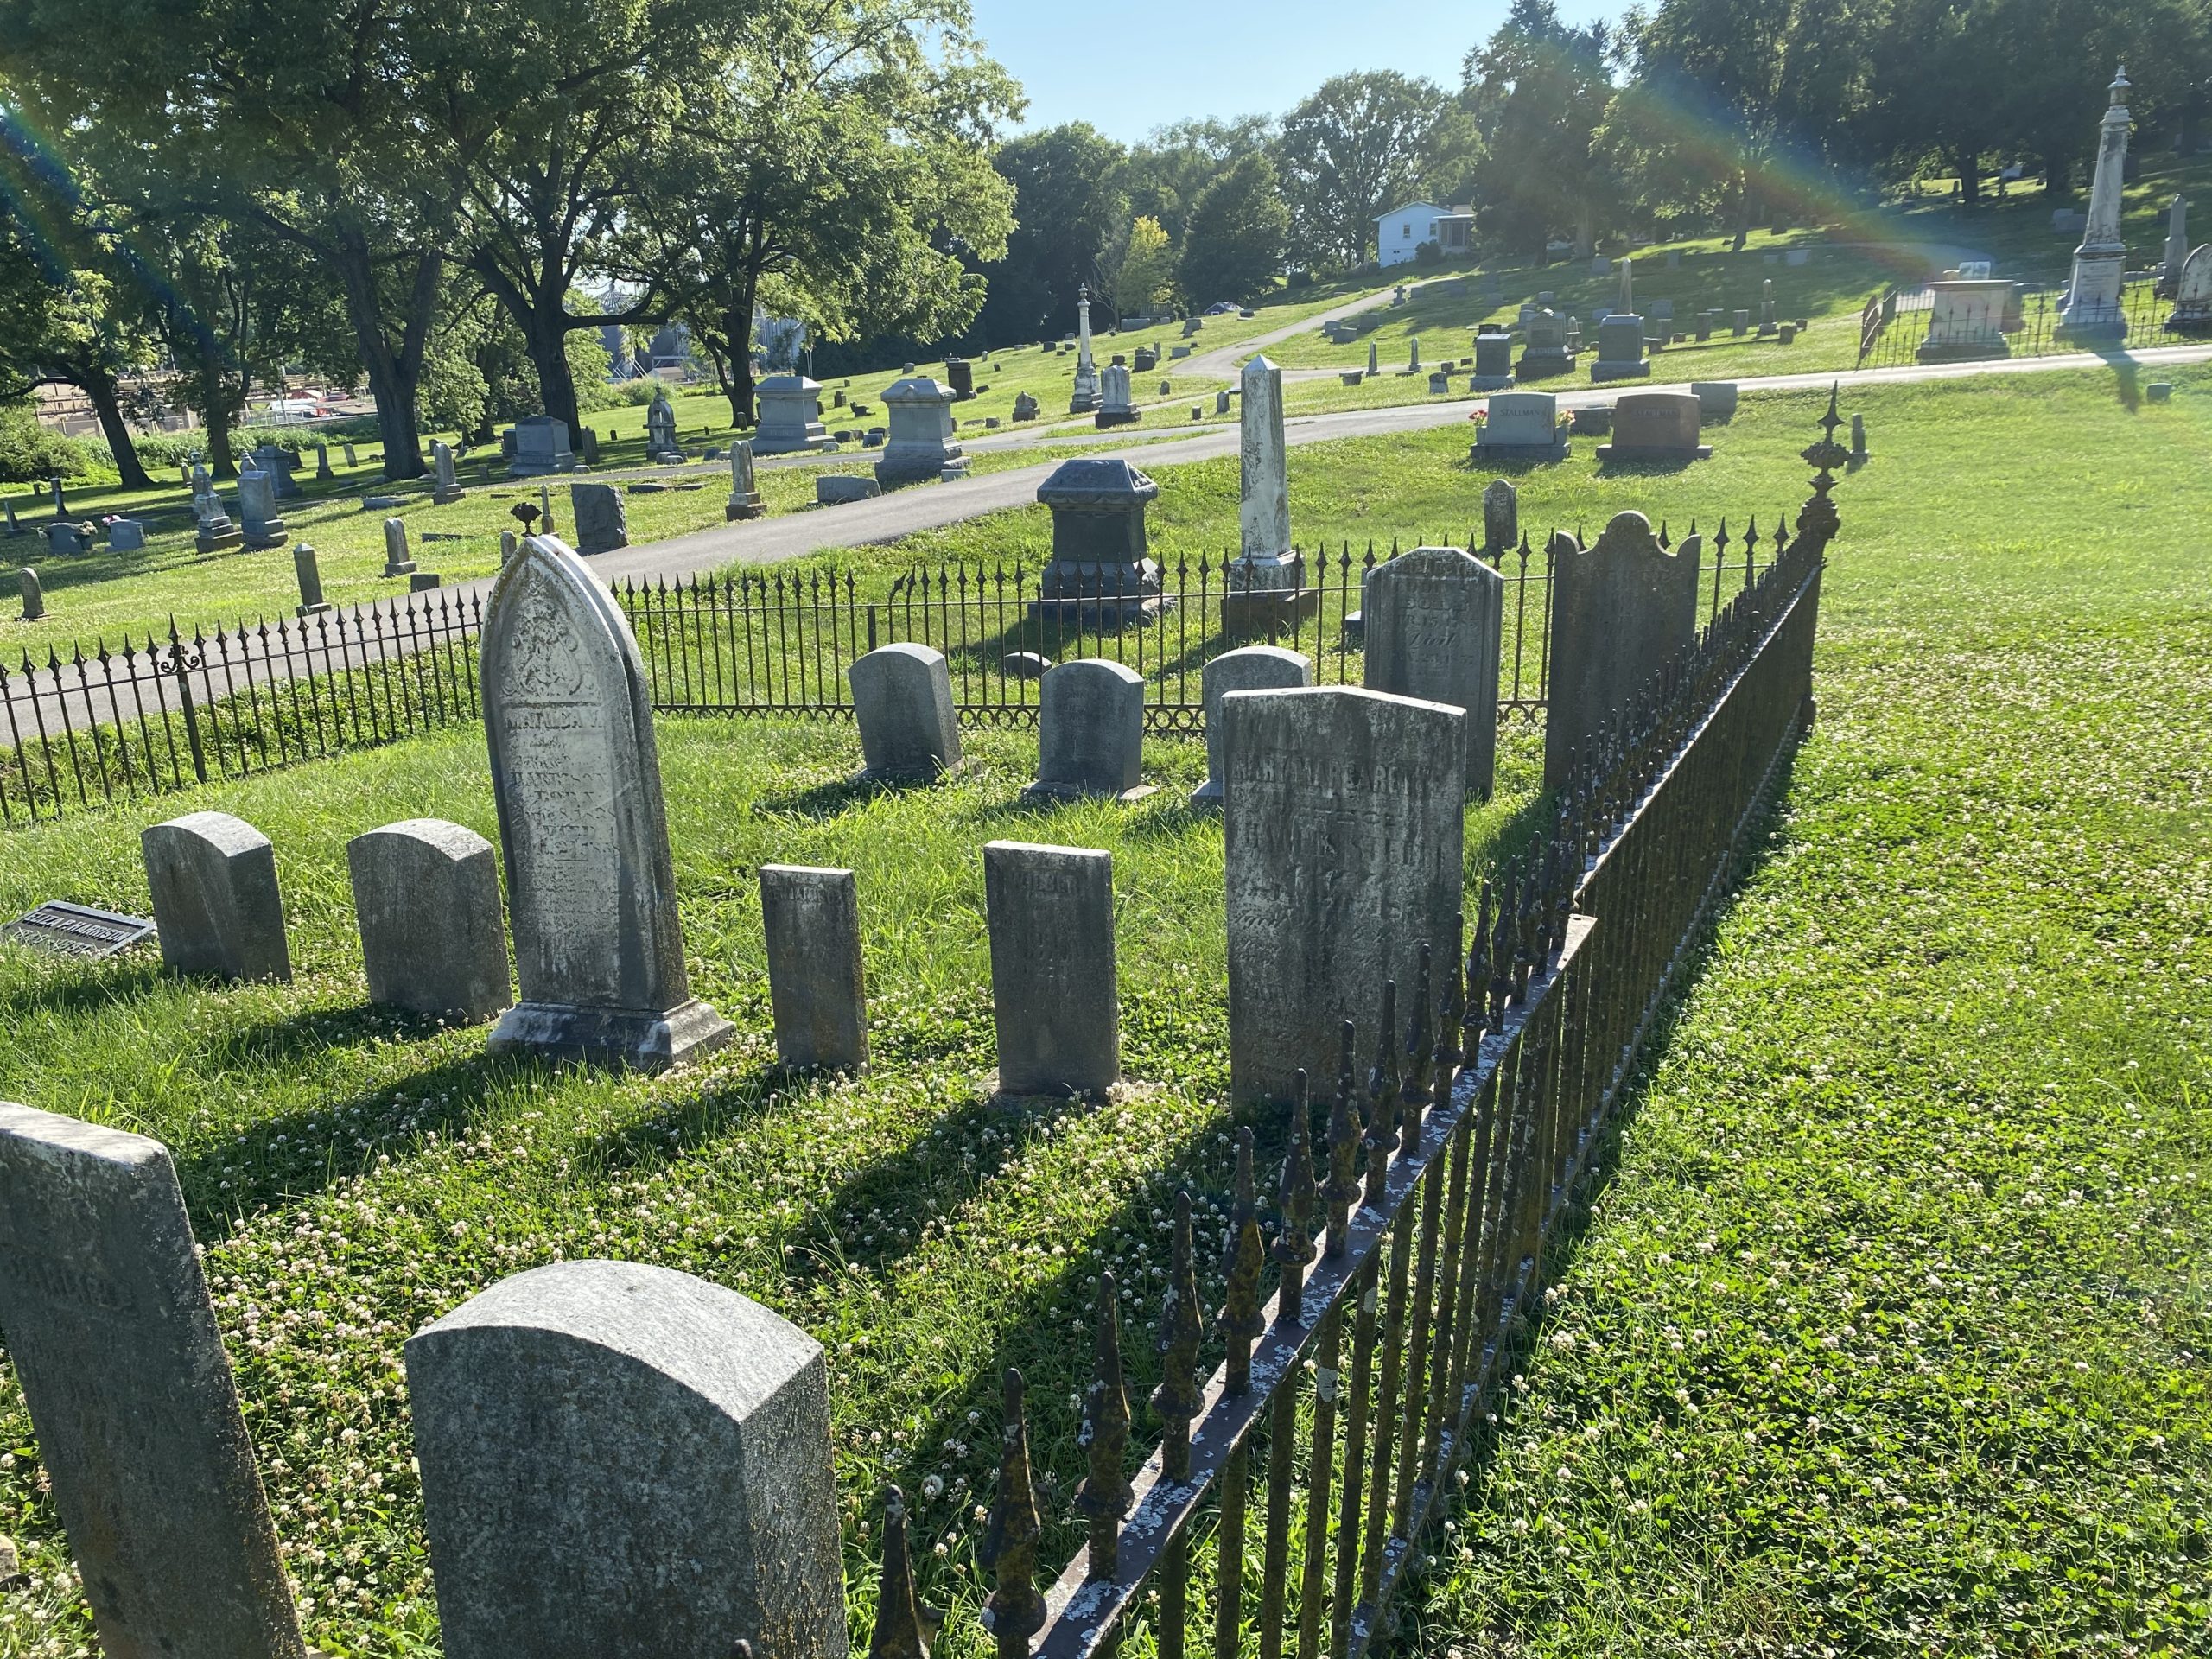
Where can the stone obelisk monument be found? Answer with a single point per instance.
(2091, 307)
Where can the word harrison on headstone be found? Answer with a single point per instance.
(114, 1342)
(1091, 731)
(1345, 816)
(426, 898)
(216, 902)
(816, 985)
(1248, 668)
(568, 714)
(902, 701)
(1433, 618)
(1620, 611)
(1053, 988)
(625, 1462)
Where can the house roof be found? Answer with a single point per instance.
(1408, 208)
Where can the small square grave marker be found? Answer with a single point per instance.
(67, 930)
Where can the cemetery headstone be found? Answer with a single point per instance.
(397, 560)
(661, 444)
(1501, 516)
(346, 449)
(1767, 325)
(277, 463)
(744, 493)
(1265, 560)
(2192, 312)
(575, 772)
(836, 489)
(62, 929)
(2090, 308)
(1493, 363)
(421, 581)
(309, 575)
(1657, 426)
(1248, 668)
(921, 443)
(1858, 439)
(959, 374)
(213, 881)
(1966, 320)
(1374, 359)
(426, 899)
(602, 520)
(1620, 349)
(791, 416)
(114, 1340)
(589, 448)
(1740, 323)
(812, 919)
(2158, 391)
(1091, 731)
(446, 485)
(902, 701)
(625, 1462)
(60, 504)
(1086, 396)
(541, 447)
(1026, 407)
(33, 595)
(1147, 358)
(1343, 853)
(125, 536)
(1433, 618)
(15, 528)
(216, 530)
(1546, 350)
(1621, 610)
(323, 461)
(1716, 397)
(1053, 988)
(1100, 571)
(258, 509)
(1117, 406)
(64, 539)
(1522, 425)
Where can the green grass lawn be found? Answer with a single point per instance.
(1885, 1337)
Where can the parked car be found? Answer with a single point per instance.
(1222, 308)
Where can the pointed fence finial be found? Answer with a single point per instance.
(1293, 1245)
(903, 1627)
(1014, 1612)
(1341, 1191)
(1177, 1400)
(1103, 1498)
(1413, 1092)
(1242, 1258)
(1382, 1137)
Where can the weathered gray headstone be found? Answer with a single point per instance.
(1621, 610)
(1053, 991)
(620, 1461)
(567, 713)
(1345, 812)
(602, 521)
(1717, 399)
(744, 494)
(922, 445)
(15, 525)
(346, 449)
(426, 895)
(34, 596)
(397, 561)
(323, 461)
(791, 416)
(812, 918)
(1091, 730)
(1433, 618)
(902, 700)
(1657, 426)
(541, 446)
(1101, 570)
(114, 1342)
(1493, 363)
(836, 489)
(445, 486)
(1858, 437)
(213, 881)
(1249, 668)
(1523, 424)
(309, 574)
(1501, 516)
(1265, 558)
(258, 511)
(1620, 349)
(278, 464)
(125, 536)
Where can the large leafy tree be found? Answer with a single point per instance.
(1360, 145)
(1069, 203)
(1539, 90)
(1165, 174)
(838, 168)
(1239, 226)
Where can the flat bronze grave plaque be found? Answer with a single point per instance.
(67, 930)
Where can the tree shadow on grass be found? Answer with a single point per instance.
(94, 986)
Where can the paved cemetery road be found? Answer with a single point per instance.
(888, 518)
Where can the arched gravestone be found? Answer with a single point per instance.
(1621, 612)
(1433, 618)
(216, 902)
(902, 701)
(426, 899)
(1248, 668)
(113, 1338)
(619, 1461)
(1345, 816)
(599, 952)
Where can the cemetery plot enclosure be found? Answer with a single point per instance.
(167, 713)
(1911, 325)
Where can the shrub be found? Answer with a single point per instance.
(30, 453)
(634, 394)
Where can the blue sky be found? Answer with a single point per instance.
(1129, 66)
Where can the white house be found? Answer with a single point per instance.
(1402, 230)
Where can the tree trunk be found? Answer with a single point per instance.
(548, 333)
(1743, 213)
(100, 385)
(394, 377)
(1969, 163)
(737, 330)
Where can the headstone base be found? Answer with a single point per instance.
(952, 472)
(215, 541)
(1491, 383)
(1264, 610)
(2190, 319)
(642, 1041)
(742, 507)
(1536, 364)
(1628, 452)
(1962, 351)
(1557, 450)
(1602, 371)
(1050, 794)
(1082, 404)
(817, 438)
(272, 535)
(1110, 417)
(323, 609)
(404, 567)
(446, 498)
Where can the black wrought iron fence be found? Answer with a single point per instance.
(1906, 326)
(167, 711)
(1291, 1491)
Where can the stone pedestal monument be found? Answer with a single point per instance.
(1117, 403)
(921, 446)
(599, 949)
(2091, 309)
(660, 430)
(541, 447)
(216, 530)
(791, 416)
(1545, 350)
(1100, 571)
(1084, 398)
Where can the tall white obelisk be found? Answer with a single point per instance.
(2091, 307)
